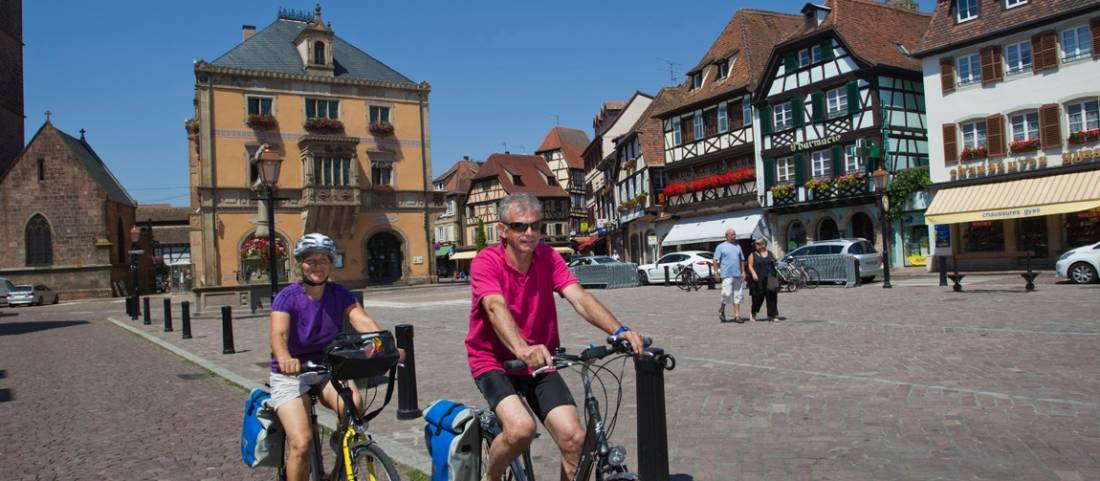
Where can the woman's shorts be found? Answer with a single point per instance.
(285, 388)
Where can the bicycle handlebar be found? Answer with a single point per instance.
(615, 345)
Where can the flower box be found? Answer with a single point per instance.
(1083, 136)
(974, 153)
(819, 188)
(259, 121)
(784, 194)
(851, 184)
(324, 125)
(1029, 145)
(381, 128)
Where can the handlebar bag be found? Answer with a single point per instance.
(362, 355)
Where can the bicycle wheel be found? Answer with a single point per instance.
(683, 279)
(370, 463)
(517, 470)
(812, 278)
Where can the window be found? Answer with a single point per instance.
(381, 175)
(822, 163)
(1014, 3)
(967, 10)
(41, 170)
(815, 54)
(319, 53)
(746, 111)
(796, 237)
(985, 236)
(803, 57)
(38, 242)
(1025, 126)
(784, 169)
(973, 135)
(259, 105)
(440, 234)
(1083, 116)
(723, 118)
(852, 162)
(379, 114)
(1018, 58)
(318, 108)
(723, 69)
(837, 100)
(697, 80)
(331, 171)
(783, 116)
(698, 124)
(450, 208)
(676, 131)
(969, 69)
(1076, 44)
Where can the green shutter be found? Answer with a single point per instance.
(838, 161)
(827, 49)
(871, 161)
(796, 112)
(817, 102)
(769, 173)
(765, 120)
(790, 62)
(799, 170)
(853, 97)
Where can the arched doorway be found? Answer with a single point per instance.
(384, 258)
(796, 235)
(862, 226)
(827, 229)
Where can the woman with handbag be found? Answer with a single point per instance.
(765, 280)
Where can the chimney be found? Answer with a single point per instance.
(466, 158)
(248, 31)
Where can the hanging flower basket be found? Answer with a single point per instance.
(324, 125)
(192, 126)
(257, 248)
(259, 121)
(1083, 136)
(381, 128)
(974, 153)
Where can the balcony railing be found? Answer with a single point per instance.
(689, 199)
(821, 191)
(330, 195)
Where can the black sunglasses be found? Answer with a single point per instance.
(522, 227)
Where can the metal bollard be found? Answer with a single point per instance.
(135, 305)
(185, 313)
(1029, 277)
(167, 315)
(130, 307)
(666, 276)
(859, 279)
(406, 374)
(710, 277)
(652, 425)
(943, 270)
(956, 277)
(145, 312)
(227, 330)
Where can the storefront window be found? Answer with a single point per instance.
(828, 230)
(1032, 233)
(916, 244)
(796, 236)
(985, 236)
(1082, 228)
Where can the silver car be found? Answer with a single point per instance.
(870, 260)
(5, 287)
(31, 295)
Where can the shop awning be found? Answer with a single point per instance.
(564, 250)
(712, 228)
(585, 244)
(463, 256)
(444, 251)
(1039, 196)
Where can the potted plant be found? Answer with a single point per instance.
(820, 187)
(261, 121)
(675, 188)
(1029, 145)
(971, 153)
(782, 193)
(324, 125)
(1082, 136)
(381, 128)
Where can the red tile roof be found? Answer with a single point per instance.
(531, 169)
(457, 179)
(871, 31)
(993, 19)
(571, 142)
(750, 34)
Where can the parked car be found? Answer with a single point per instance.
(5, 287)
(590, 261)
(1080, 264)
(870, 260)
(655, 273)
(602, 271)
(28, 295)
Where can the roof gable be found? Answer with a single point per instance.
(457, 179)
(571, 142)
(993, 19)
(531, 169)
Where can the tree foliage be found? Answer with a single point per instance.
(904, 184)
(479, 235)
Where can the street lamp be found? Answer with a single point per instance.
(135, 236)
(881, 177)
(268, 163)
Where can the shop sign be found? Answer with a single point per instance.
(810, 144)
(1010, 213)
(1089, 214)
(584, 227)
(981, 224)
(1005, 166)
(943, 239)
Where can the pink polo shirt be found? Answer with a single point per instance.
(530, 299)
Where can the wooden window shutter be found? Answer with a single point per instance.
(995, 135)
(838, 160)
(998, 63)
(687, 129)
(817, 103)
(790, 62)
(1044, 48)
(797, 112)
(799, 169)
(992, 66)
(1050, 126)
(733, 114)
(1094, 25)
(765, 120)
(827, 49)
(950, 144)
(853, 97)
(769, 173)
(947, 74)
(710, 122)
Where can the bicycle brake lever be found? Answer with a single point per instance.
(543, 369)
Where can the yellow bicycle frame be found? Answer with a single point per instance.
(351, 437)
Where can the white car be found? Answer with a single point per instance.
(1080, 264)
(655, 273)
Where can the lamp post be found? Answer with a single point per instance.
(881, 177)
(268, 163)
(135, 236)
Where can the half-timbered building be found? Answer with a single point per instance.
(838, 95)
(563, 149)
(505, 174)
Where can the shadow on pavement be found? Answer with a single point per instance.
(681, 477)
(5, 395)
(8, 314)
(15, 328)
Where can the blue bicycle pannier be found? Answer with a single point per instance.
(452, 434)
(261, 434)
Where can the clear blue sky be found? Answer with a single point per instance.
(500, 70)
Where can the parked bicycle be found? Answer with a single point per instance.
(358, 457)
(795, 274)
(598, 454)
(686, 277)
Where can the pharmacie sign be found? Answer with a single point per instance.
(810, 144)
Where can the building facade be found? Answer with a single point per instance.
(352, 135)
(840, 97)
(505, 174)
(563, 150)
(449, 226)
(11, 81)
(1014, 128)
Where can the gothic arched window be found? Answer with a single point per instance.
(39, 242)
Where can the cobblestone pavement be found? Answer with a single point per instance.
(912, 383)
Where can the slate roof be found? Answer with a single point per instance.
(750, 34)
(457, 178)
(993, 20)
(272, 50)
(96, 168)
(530, 168)
(571, 142)
(860, 25)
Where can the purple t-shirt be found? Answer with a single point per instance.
(313, 324)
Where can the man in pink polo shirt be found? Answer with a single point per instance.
(513, 316)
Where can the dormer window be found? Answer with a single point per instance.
(1014, 3)
(724, 69)
(319, 53)
(966, 10)
(697, 80)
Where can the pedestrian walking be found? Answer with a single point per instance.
(729, 260)
(765, 281)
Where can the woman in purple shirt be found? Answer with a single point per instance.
(305, 317)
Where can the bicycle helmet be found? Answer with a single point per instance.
(315, 242)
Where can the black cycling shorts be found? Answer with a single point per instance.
(543, 392)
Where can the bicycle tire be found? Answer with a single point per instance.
(516, 471)
(367, 458)
(683, 280)
(812, 278)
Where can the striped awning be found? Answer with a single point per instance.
(1034, 197)
(463, 256)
